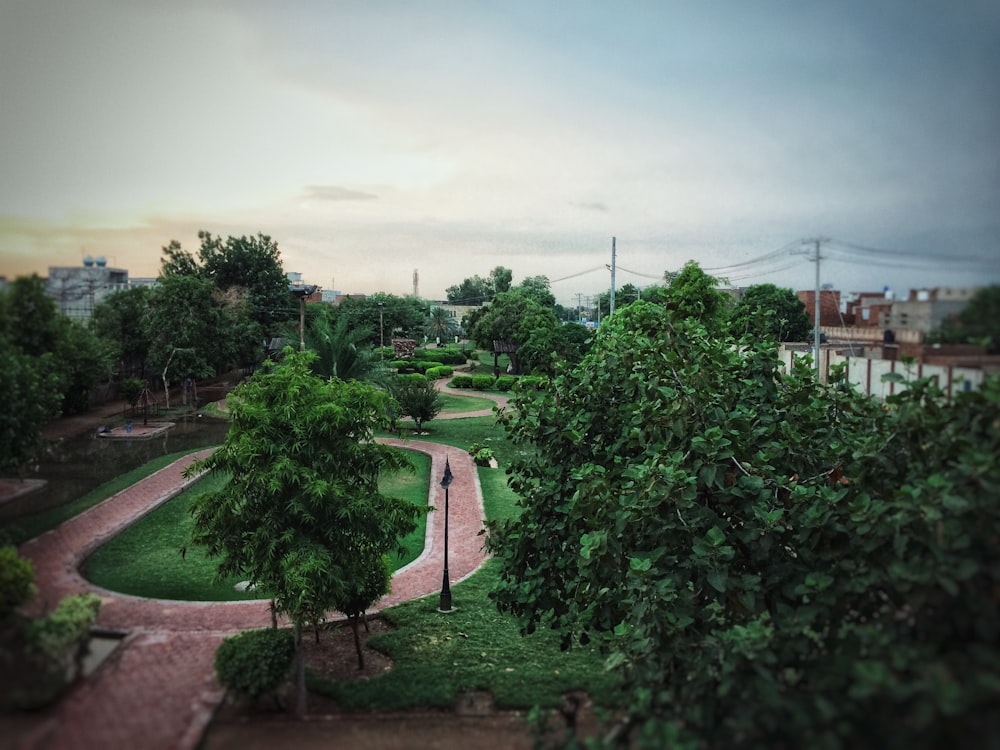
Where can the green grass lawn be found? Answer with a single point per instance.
(31, 526)
(456, 403)
(437, 656)
(146, 559)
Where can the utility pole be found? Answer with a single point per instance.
(579, 307)
(611, 309)
(816, 258)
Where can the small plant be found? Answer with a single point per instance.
(255, 662)
(16, 580)
(481, 454)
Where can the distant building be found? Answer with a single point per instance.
(78, 289)
(866, 309)
(829, 306)
(925, 309)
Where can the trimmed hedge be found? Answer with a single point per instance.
(415, 377)
(505, 383)
(440, 371)
(441, 356)
(461, 381)
(255, 662)
(538, 382)
(483, 382)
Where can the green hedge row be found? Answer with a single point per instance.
(503, 383)
(447, 356)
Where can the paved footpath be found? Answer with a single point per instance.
(158, 690)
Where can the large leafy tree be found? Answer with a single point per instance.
(385, 316)
(32, 395)
(511, 316)
(477, 290)
(978, 322)
(769, 312)
(692, 293)
(119, 320)
(772, 562)
(302, 508)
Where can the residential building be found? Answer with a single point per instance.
(78, 289)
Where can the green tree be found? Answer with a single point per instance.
(303, 505)
(546, 346)
(386, 314)
(32, 395)
(119, 320)
(693, 294)
(536, 288)
(478, 291)
(441, 324)
(342, 351)
(511, 316)
(86, 361)
(417, 397)
(771, 562)
(767, 311)
(978, 322)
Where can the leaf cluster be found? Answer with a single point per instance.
(769, 561)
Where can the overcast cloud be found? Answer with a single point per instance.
(372, 139)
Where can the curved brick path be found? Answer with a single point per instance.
(159, 690)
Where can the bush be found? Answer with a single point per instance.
(441, 356)
(436, 373)
(255, 662)
(16, 580)
(481, 454)
(414, 377)
(131, 389)
(483, 382)
(505, 383)
(536, 382)
(461, 381)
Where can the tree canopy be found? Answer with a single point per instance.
(978, 322)
(767, 311)
(477, 290)
(772, 562)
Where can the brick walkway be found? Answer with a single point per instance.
(158, 690)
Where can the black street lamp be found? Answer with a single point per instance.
(445, 605)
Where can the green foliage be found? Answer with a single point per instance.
(692, 294)
(61, 637)
(483, 382)
(386, 316)
(436, 373)
(255, 662)
(441, 324)
(769, 561)
(16, 581)
(477, 290)
(131, 389)
(120, 321)
(417, 397)
(768, 312)
(532, 382)
(510, 316)
(503, 383)
(341, 350)
(31, 391)
(303, 503)
(481, 454)
(461, 381)
(978, 322)
(445, 356)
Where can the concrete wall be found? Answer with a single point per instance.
(866, 374)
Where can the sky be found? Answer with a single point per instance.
(374, 140)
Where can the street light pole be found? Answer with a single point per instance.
(445, 604)
(301, 291)
(381, 332)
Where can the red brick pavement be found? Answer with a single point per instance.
(158, 690)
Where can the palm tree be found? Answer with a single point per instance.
(441, 324)
(342, 352)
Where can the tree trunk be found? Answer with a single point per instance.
(357, 642)
(301, 705)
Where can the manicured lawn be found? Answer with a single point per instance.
(31, 526)
(146, 559)
(455, 403)
(437, 656)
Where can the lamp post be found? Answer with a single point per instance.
(300, 291)
(445, 604)
(381, 332)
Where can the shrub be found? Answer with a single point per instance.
(414, 377)
(536, 382)
(16, 580)
(482, 382)
(255, 662)
(60, 640)
(461, 381)
(441, 356)
(481, 454)
(505, 383)
(436, 373)
(131, 389)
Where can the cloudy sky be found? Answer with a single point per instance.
(378, 138)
